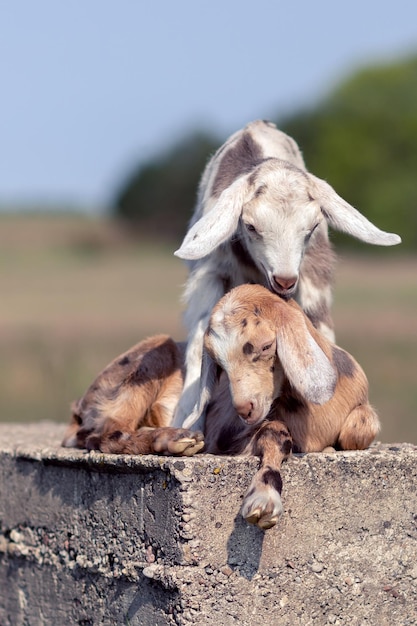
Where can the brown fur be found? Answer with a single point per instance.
(252, 316)
(261, 316)
(129, 406)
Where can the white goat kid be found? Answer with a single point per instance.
(261, 218)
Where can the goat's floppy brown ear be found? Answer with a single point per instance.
(306, 366)
(344, 217)
(208, 379)
(217, 225)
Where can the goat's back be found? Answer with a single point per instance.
(240, 154)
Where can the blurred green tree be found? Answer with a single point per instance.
(361, 138)
(159, 196)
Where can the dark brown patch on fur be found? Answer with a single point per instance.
(288, 400)
(273, 478)
(286, 446)
(239, 159)
(228, 441)
(152, 367)
(268, 436)
(116, 435)
(343, 362)
(247, 348)
(124, 361)
(92, 442)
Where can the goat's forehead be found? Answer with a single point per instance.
(288, 189)
(231, 326)
(233, 311)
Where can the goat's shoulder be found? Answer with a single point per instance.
(153, 358)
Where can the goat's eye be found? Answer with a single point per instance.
(251, 228)
(267, 347)
(310, 232)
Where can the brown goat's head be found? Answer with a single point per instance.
(259, 340)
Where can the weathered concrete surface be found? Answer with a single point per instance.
(93, 539)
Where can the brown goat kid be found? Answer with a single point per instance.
(284, 387)
(128, 408)
(270, 384)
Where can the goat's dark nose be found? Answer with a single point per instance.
(245, 409)
(285, 284)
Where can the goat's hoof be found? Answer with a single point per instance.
(178, 441)
(185, 447)
(263, 521)
(263, 508)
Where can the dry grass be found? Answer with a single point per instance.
(75, 292)
(375, 313)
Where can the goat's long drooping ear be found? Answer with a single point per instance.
(342, 216)
(208, 379)
(217, 225)
(306, 366)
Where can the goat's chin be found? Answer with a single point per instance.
(252, 421)
(285, 294)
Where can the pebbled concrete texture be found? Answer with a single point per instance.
(93, 539)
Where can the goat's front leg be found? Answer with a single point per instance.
(164, 440)
(204, 289)
(187, 413)
(262, 504)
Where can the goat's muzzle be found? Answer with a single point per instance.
(248, 413)
(284, 286)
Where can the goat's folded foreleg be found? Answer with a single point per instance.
(262, 504)
(166, 440)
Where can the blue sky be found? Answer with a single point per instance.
(90, 88)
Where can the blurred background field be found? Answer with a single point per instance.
(77, 290)
(110, 112)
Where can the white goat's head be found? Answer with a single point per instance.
(260, 340)
(275, 212)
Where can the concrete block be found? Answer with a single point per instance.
(94, 539)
